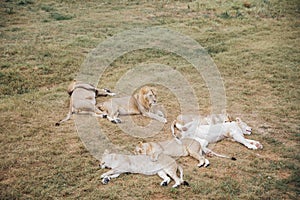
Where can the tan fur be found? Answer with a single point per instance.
(165, 166)
(139, 103)
(83, 99)
(186, 147)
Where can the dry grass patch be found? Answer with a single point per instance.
(43, 44)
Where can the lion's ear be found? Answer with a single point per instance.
(238, 119)
(144, 90)
(230, 118)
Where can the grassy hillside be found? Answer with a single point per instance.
(254, 44)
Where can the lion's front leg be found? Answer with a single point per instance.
(256, 143)
(109, 175)
(240, 138)
(155, 116)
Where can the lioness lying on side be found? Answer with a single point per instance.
(165, 167)
(211, 133)
(83, 99)
(188, 147)
(139, 103)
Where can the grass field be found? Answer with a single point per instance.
(254, 44)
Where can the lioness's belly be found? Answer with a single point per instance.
(211, 133)
(142, 164)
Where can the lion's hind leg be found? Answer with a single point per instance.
(99, 113)
(110, 111)
(203, 162)
(171, 171)
(194, 150)
(164, 176)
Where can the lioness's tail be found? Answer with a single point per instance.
(219, 155)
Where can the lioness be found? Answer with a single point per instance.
(207, 134)
(83, 99)
(139, 103)
(187, 147)
(165, 167)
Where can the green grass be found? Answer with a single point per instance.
(43, 44)
(59, 17)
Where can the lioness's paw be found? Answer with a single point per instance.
(164, 183)
(258, 145)
(105, 180)
(200, 165)
(185, 183)
(253, 147)
(116, 121)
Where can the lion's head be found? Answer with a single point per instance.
(247, 130)
(147, 97)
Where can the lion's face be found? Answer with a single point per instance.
(148, 96)
(247, 130)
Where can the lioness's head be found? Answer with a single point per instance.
(143, 148)
(247, 130)
(147, 96)
(71, 87)
(105, 160)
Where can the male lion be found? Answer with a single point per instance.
(187, 147)
(165, 167)
(83, 99)
(140, 103)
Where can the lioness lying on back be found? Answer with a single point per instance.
(83, 99)
(165, 167)
(140, 103)
(188, 147)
